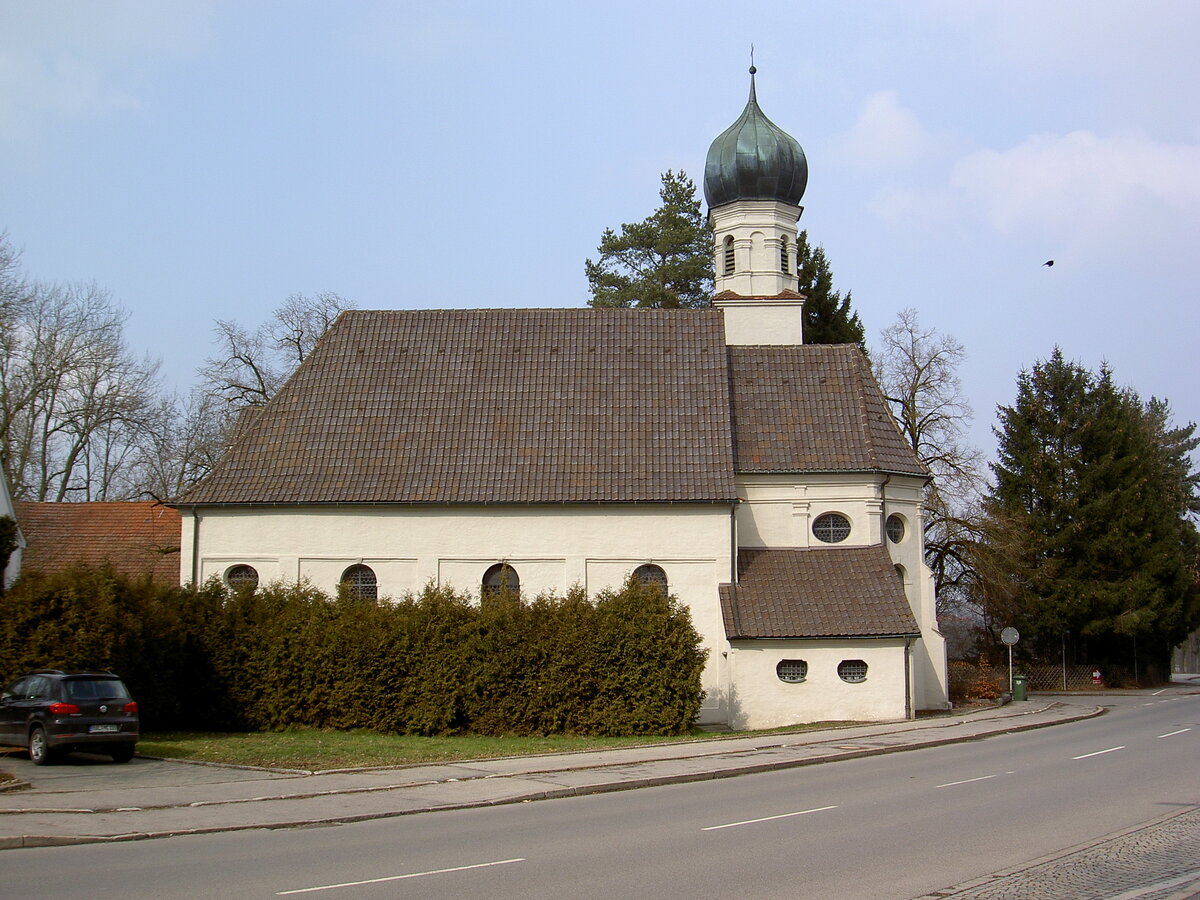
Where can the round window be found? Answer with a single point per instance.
(242, 578)
(793, 671)
(895, 529)
(852, 670)
(832, 528)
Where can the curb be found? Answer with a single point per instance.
(624, 784)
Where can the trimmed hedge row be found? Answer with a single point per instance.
(626, 662)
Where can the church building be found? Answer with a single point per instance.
(761, 481)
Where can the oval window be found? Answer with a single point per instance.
(832, 528)
(852, 670)
(895, 529)
(793, 671)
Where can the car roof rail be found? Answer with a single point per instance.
(47, 672)
(90, 672)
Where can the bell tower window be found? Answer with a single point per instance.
(729, 256)
(784, 265)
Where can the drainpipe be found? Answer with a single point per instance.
(908, 704)
(195, 549)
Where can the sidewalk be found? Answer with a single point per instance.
(271, 799)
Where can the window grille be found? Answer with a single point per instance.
(784, 265)
(852, 670)
(242, 578)
(793, 671)
(729, 256)
(895, 529)
(361, 583)
(832, 528)
(653, 575)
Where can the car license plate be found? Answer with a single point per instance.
(103, 729)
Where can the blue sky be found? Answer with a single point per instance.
(205, 160)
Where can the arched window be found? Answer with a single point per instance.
(729, 256)
(651, 574)
(852, 670)
(242, 578)
(501, 577)
(895, 528)
(832, 528)
(360, 582)
(784, 265)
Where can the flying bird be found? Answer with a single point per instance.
(1048, 262)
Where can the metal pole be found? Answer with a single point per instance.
(1010, 683)
(1064, 660)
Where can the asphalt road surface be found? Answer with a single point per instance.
(894, 826)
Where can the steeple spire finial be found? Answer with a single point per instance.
(752, 71)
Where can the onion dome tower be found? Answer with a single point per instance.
(754, 178)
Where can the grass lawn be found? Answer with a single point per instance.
(313, 750)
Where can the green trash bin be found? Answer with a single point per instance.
(1019, 689)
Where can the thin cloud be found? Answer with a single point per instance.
(1059, 180)
(886, 135)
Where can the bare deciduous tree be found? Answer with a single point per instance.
(251, 365)
(918, 370)
(73, 398)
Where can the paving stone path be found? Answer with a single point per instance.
(1157, 861)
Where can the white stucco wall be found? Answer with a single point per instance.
(8, 508)
(758, 229)
(551, 549)
(760, 700)
(778, 511)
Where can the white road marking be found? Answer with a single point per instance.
(803, 812)
(345, 884)
(1156, 693)
(1173, 733)
(968, 781)
(1099, 752)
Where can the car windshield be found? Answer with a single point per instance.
(95, 689)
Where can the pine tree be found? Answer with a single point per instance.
(1087, 529)
(827, 315)
(663, 262)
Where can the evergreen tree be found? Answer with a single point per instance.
(663, 262)
(827, 315)
(1088, 531)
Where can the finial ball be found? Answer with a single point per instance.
(753, 70)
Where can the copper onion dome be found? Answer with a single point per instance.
(754, 159)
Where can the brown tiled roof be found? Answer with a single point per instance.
(812, 408)
(494, 406)
(850, 592)
(136, 538)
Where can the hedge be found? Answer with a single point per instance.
(625, 662)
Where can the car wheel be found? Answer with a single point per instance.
(39, 748)
(121, 754)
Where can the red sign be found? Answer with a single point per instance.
(1097, 678)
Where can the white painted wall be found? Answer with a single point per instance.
(758, 699)
(8, 508)
(778, 511)
(551, 548)
(758, 229)
(758, 321)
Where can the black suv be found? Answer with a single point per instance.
(50, 712)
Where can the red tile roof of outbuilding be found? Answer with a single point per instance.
(136, 538)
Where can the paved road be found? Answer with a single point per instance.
(893, 826)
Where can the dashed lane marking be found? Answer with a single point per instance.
(346, 884)
(1099, 752)
(1173, 733)
(803, 812)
